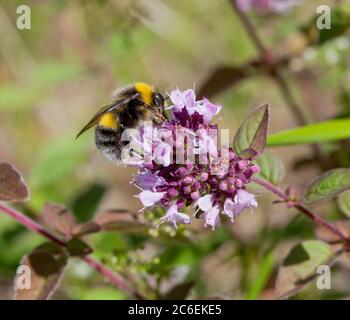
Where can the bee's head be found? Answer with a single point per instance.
(153, 101)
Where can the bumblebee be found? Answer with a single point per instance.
(131, 105)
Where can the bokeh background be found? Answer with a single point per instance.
(54, 76)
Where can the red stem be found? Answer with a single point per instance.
(299, 206)
(32, 225)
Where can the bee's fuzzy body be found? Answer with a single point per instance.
(132, 104)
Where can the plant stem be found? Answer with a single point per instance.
(299, 206)
(268, 57)
(277, 74)
(32, 225)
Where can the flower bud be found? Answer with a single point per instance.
(187, 189)
(223, 185)
(204, 176)
(195, 195)
(173, 193)
(187, 180)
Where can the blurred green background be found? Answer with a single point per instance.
(54, 76)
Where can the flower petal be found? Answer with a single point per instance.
(150, 198)
(205, 203)
(173, 216)
(212, 218)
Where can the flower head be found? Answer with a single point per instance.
(186, 167)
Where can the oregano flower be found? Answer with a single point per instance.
(182, 166)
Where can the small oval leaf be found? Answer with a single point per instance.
(344, 203)
(120, 220)
(12, 186)
(86, 228)
(328, 185)
(253, 132)
(271, 168)
(299, 267)
(221, 79)
(59, 218)
(41, 272)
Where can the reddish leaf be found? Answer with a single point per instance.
(179, 292)
(221, 79)
(44, 268)
(120, 220)
(86, 228)
(252, 134)
(12, 186)
(299, 267)
(59, 218)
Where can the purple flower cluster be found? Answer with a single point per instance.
(265, 6)
(214, 185)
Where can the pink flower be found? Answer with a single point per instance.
(173, 216)
(148, 181)
(150, 198)
(242, 200)
(212, 218)
(208, 110)
(205, 203)
(214, 181)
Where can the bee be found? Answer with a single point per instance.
(131, 105)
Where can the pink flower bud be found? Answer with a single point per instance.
(182, 172)
(255, 168)
(187, 180)
(242, 164)
(223, 185)
(173, 193)
(187, 189)
(239, 183)
(195, 195)
(204, 176)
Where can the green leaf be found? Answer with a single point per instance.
(77, 247)
(299, 267)
(271, 167)
(59, 218)
(44, 268)
(85, 203)
(328, 185)
(320, 132)
(253, 132)
(12, 186)
(344, 203)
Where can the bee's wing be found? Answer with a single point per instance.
(106, 109)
